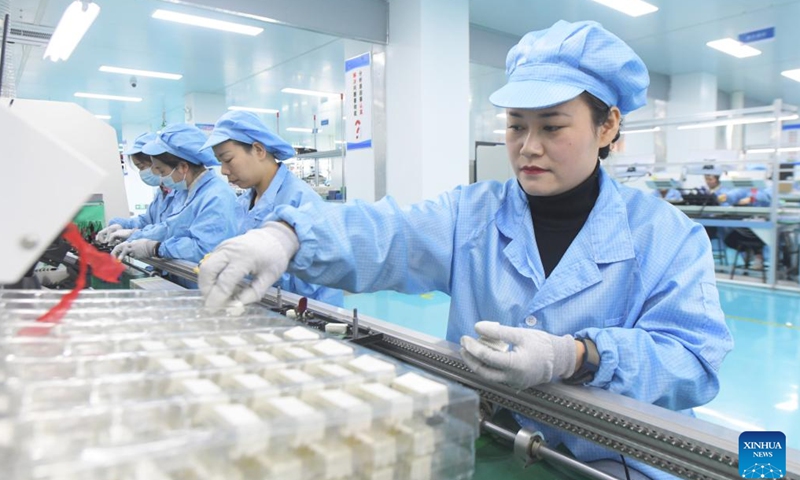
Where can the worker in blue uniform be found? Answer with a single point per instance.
(164, 200)
(590, 281)
(252, 157)
(208, 214)
(742, 238)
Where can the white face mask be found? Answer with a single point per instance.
(168, 182)
(150, 178)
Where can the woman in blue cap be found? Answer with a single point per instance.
(206, 217)
(590, 281)
(251, 156)
(164, 200)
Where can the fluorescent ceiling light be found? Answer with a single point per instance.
(736, 121)
(499, 132)
(501, 115)
(254, 109)
(761, 150)
(101, 96)
(77, 19)
(793, 74)
(314, 93)
(103, 117)
(734, 47)
(206, 22)
(300, 130)
(634, 8)
(641, 130)
(772, 150)
(141, 73)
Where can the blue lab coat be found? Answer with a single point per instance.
(638, 280)
(160, 208)
(285, 189)
(205, 219)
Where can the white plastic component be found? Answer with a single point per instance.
(300, 333)
(298, 378)
(250, 382)
(334, 459)
(400, 407)
(494, 344)
(374, 450)
(332, 348)
(433, 395)
(195, 343)
(177, 368)
(194, 347)
(416, 438)
(200, 387)
(378, 369)
(283, 467)
(172, 365)
(291, 313)
(296, 354)
(266, 338)
(153, 346)
(257, 356)
(336, 328)
(336, 373)
(355, 414)
(419, 468)
(307, 423)
(216, 361)
(236, 416)
(148, 469)
(232, 341)
(382, 474)
(235, 308)
(204, 395)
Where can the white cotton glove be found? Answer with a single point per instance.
(141, 248)
(536, 357)
(120, 235)
(263, 253)
(102, 235)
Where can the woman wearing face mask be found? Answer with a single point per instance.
(591, 282)
(164, 201)
(251, 156)
(206, 217)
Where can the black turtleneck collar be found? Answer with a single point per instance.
(557, 219)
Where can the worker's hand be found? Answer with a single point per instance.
(141, 248)
(263, 253)
(120, 235)
(536, 357)
(745, 201)
(102, 235)
(722, 198)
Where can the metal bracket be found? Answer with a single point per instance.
(526, 444)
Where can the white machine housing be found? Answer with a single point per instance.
(55, 155)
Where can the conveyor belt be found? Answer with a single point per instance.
(686, 447)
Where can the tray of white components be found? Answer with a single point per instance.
(140, 385)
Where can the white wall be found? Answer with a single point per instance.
(690, 94)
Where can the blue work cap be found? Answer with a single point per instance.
(247, 128)
(139, 143)
(183, 141)
(553, 66)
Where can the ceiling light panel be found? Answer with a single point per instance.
(206, 22)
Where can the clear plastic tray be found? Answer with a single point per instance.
(136, 385)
